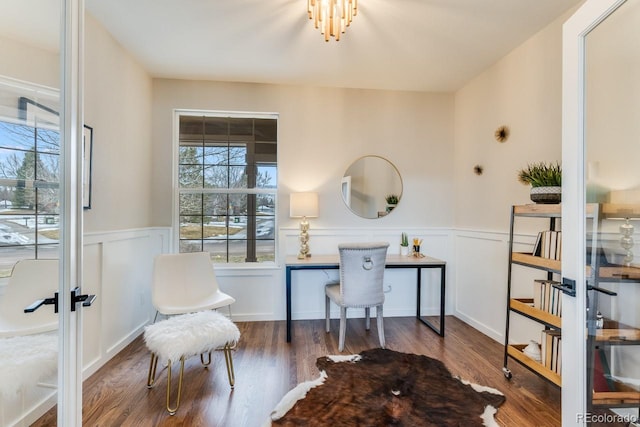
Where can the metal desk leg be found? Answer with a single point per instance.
(288, 292)
(442, 298)
(419, 287)
(442, 302)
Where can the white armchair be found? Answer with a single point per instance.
(186, 283)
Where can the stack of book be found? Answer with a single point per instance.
(546, 297)
(551, 350)
(548, 244)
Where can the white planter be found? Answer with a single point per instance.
(546, 194)
(404, 250)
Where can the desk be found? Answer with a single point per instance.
(326, 262)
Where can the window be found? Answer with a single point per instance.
(29, 183)
(227, 185)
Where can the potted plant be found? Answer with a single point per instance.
(404, 244)
(545, 180)
(392, 201)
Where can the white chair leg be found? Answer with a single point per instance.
(367, 318)
(343, 327)
(380, 324)
(326, 312)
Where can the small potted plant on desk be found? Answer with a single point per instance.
(404, 245)
(545, 180)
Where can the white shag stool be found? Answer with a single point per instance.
(182, 336)
(24, 361)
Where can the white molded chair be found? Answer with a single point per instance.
(31, 280)
(361, 284)
(186, 283)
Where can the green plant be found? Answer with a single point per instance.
(404, 241)
(391, 199)
(541, 174)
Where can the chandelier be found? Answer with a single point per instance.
(332, 16)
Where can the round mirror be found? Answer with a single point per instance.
(371, 187)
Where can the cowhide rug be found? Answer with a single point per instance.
(386, 388)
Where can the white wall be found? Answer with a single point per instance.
(523, 92)
(321, 132)
(118, 107)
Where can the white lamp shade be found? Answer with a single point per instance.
(624, 197)
(303, 204)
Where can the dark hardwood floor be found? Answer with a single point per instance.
(266, 367)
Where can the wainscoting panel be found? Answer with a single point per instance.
(259, 292)
(118, 269)
(481, 263)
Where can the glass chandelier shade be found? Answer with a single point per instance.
(332, 17)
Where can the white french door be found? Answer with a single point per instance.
(41, 129)
(601, 209)
(71, 124)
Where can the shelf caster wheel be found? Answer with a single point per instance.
(507, 373)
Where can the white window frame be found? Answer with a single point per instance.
(175, 244)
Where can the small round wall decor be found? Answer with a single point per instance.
(502, 134)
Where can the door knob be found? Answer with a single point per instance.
(86, 301)
(45, 301)
(568, 287)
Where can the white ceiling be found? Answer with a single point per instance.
(425, 45)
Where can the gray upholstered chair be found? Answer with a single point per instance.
(361, 284)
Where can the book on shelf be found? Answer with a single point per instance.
(559, 357)
(559, 247)
(537, 245)
(551, 341)
(546, 297)
(548, 245)
(553, 244)
(556, 352)
(537, 294)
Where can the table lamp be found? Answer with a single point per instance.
(304, 205)
(625, 205)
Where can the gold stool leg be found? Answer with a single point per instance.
(229, 361)
(151, 377)
(172, 411)
(205, 364)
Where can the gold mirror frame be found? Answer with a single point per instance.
(367, 185)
